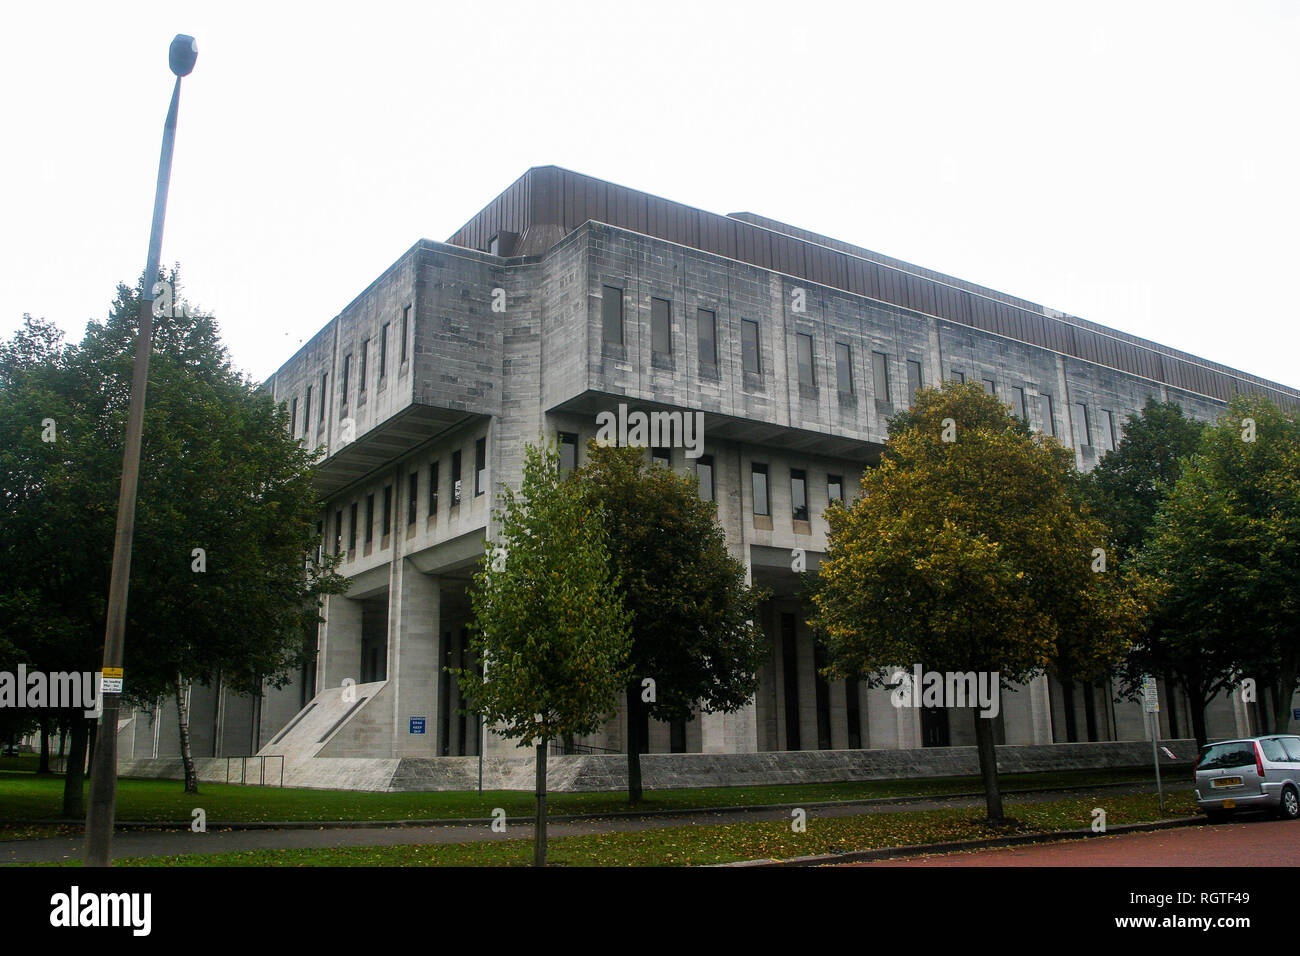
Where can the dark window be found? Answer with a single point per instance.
(370, 518)
(1049, 416)
(834, 487)
(913, 379)
(293, 418)
(1079, 420)
(880, 374)
(807, 375)
(361, 372)
(480, 466)
(388, 510)
(306, 413)
(338, 530)
(412, 503)
(823, 691)
(1107, 430)
(611, 311)
(959, 377)
(455, 478)
(324, 380)
(677, 736)
(790, 675)
(383, 351)
(704, 472)
(853, 711)
(1018, 401)
(799, 494)
(406, 324)
(320, 541)
(707, 331)
(433, 488)
(347, 367)
(989, 387)
(844, 368)
(661, 326)
(758, 475)
(568, 452)
(750, 359)
(661, 456)
(352, 527)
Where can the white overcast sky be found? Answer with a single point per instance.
(1133, 163)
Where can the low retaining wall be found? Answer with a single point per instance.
(662, 771)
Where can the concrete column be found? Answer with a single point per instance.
(1040, 710)
(735, 733)
(413, 661)
(340, 651)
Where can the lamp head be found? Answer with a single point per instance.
(184, 51)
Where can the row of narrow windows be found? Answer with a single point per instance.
(345, 375)
(363, 531)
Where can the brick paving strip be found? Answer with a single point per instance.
(172, 839)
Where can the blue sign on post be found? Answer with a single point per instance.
(417, 725)
(1296, 713)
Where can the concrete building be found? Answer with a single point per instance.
(566, 296)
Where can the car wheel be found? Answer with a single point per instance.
(1289, 809)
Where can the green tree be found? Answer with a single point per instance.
(967, 552)
(1225, 547)
(219, 472)
(693, 630)
(549, 625)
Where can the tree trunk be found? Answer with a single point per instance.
(988, 765)
(63, 745)
(634, 742)
(91, 738)
(191, 778)
(44, 765)
(539, 828)
(74, 806)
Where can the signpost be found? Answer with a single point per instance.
(1151, 705)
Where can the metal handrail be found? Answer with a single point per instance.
(261, 762)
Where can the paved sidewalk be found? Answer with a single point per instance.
(184, 842)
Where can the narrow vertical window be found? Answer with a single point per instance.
(480, 467)
(455, 478)
(959, 377)
(611, 311)
(306, 413)
(361, 372)
(406, 327)
(913, 379)
(1107, 430)
(750, 357)
(433, 489)
(661, 456)
(661, 326)
(704, 472)
(706, 323)
(799, 494)
(383, 351)
(370, 518)
(347, 367)
(324, 393)
(758, 476)
(352, 527)
(338, 531)
(413, 498)
(880, 374)
(835, 488)
(1018, 401)
(388, 510)
(568, 453)
(807, 375)
(1079, 421)
(1049, 415)
(293, 417)
(844, 368)
(990, 387)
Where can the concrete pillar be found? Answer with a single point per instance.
(735, 733)
(413, 660)
(340, 651)
(1040, 710)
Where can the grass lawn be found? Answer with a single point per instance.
(700, 845)
(28, 796)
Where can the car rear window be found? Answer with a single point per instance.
(1292, 745)
(1227, 755)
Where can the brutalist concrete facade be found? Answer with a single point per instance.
(423, 392)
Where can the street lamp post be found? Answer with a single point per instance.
(103, 772)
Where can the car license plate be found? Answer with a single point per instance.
(1229, 804)
(1226, 782)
